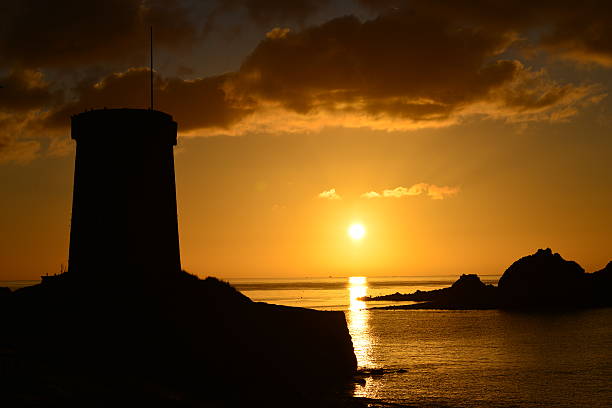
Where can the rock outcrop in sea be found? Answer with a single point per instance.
(601, 284)
(543, 280)
(468, 292)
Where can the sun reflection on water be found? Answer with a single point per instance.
(358, 320)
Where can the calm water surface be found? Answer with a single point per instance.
(462, 358)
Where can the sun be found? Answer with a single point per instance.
(356, 231)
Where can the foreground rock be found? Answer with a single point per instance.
(543, 280)
(180, 341)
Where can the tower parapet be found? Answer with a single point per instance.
(128, 125)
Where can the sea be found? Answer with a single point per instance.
(471, 358)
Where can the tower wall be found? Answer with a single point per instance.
(124, 211)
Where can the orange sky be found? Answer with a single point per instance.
(490, 141)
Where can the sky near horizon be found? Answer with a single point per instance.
(462, 136)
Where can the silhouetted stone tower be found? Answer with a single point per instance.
(124, 200)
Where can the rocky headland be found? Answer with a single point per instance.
(543, 280)
(124, 339)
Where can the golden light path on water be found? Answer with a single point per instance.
(358, 320)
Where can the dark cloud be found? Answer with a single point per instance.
(585, 37)
(267, 11)
(401, 64)
(264, 13)
(427, 65)
(24, 90)
(199, 103)
(272, 11)
(576, 30)
(203, 102)
(24, 96)
(17, 151)
(67, 33)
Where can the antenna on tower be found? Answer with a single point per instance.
(151, 52)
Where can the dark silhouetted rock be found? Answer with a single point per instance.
(469, 283)
(468, 292)
(601, 286)
(544, 279)
(200, 339)
(5, 294)
(603, 276)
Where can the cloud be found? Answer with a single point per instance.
(580, 31)
(25, 99)
(370, 194)
(18, 151)
(403, 191)
(277, 33)
(24, 90)
(330, 195)
(416, 189)
(65, 33)
(413, 69)
(429, 66)
(433, 191)
(198, 103)
(441, 192)
(22, 135)
(265, 12)
(30, 109)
